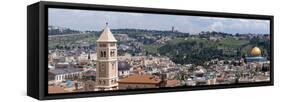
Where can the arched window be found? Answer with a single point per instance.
(102, 45)
(101, 54)
(112, 44)
(104, 54)
(112, 53)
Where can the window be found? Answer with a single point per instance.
(112, 53)
(102, 70)
(102, 45)
(112, 44)
(103, 65)
(102, 54)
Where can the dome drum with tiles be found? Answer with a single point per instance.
(255, 55)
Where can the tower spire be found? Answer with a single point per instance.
(106, 35)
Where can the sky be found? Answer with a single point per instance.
(96, 20)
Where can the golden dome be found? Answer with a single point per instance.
(256, 51)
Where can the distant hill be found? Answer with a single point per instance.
(56, 30)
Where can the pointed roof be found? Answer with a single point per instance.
(106, 35)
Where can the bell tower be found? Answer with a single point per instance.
(107, 71)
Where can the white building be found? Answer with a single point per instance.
(62, 74)
(123, 69)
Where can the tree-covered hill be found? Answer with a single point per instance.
(197, 51)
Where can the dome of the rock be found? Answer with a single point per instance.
(256, 51)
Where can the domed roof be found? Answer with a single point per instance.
(255, 51)
(123, 65)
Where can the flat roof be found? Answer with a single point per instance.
(59, 71)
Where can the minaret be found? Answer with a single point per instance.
(107, 71)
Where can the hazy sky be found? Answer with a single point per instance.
(95, 20)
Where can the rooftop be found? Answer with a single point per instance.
(172, 83)
(106, 36)
(123, 65)
(56, 89)
(65, 70)
(140, 79)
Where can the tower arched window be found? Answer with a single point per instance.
(101, 54)
(104, 54)
(112, 53)
(99, 81)
(112, 44)
(102, 45)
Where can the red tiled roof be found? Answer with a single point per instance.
(140, 79)
(172, 83)
(56, 89)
